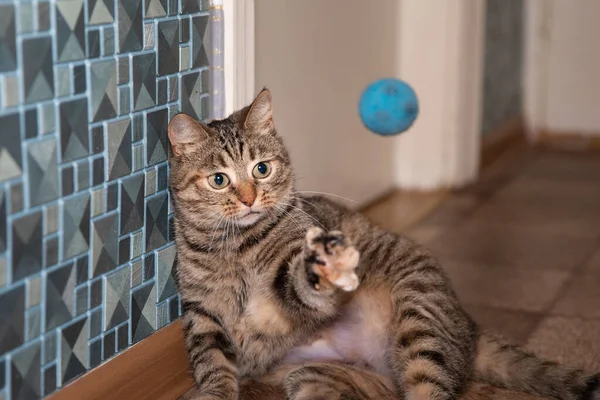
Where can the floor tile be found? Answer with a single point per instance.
(514, 326)
(571, 341)
(573, 207)
(505, 287)
(527, 248)
(581, 298)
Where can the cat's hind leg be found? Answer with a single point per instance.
(332, 381)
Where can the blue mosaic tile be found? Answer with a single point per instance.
(73, 350)
(95, 353)
(105, 245)
(25, 373)
(76, 225)
(42, 161)
(8, 45)
(26, 18)
(116, 297)
(68, 180)
(74, 135)
(50, 380)
(12, 318)
(101, 11)
(130, 25)
(27, 245)
(157, 123)
(93, 43)
(10, 149)
(17, 197)
(38, 79)
(108, 41)
(70, 30)
(168, 47)
(103, 79)
(156, 221)
(31, 123)
(143, 312)
(144, 81)
(43, 14)
(122, 337)
(87, 88)
(109, 345)
(60, 293)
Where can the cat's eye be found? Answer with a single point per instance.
(261, 170)
(218, 181)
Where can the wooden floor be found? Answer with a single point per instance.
(522, 248)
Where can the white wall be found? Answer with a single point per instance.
(562, 72)
(316, 57)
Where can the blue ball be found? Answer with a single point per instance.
(388, 106)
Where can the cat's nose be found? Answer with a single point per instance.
(248, 202)
(246, 195)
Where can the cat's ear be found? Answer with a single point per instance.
(185, 132)
(259, 119)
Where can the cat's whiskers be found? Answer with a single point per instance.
(305, 213)
(328, 194)
(300, 227)
(215, 230)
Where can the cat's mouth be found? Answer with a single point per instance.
(249, 217)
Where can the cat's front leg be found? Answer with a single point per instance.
(211, 354)
(320, 276)
(332, 258)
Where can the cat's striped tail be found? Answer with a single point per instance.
(501, 364)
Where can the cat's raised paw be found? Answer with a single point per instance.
(333, 257)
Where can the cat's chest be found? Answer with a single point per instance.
(262, 312)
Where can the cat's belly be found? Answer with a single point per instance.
(360, 336)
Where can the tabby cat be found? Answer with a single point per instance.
(296, 297)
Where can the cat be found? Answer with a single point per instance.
(296, 297)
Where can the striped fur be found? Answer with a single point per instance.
(304, 299)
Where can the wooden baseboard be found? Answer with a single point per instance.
(568, 141)
(507, 136)
(154, 369)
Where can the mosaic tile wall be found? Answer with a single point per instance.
(87, 88)
(503, 63)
